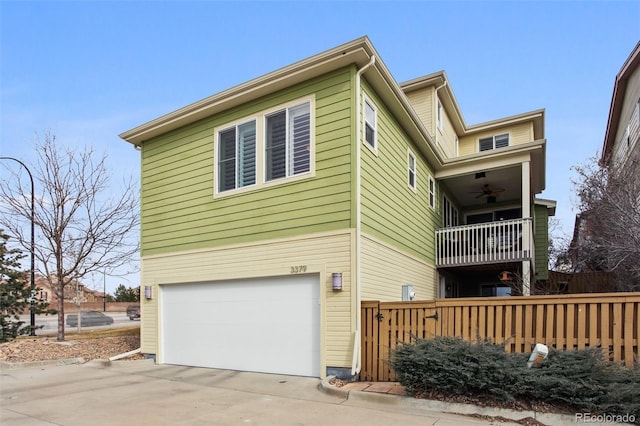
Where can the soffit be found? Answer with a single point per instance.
(466, 189)
(502, 159)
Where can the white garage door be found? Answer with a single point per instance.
(269, 325)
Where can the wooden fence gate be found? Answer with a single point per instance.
(564, 322)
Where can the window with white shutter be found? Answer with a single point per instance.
(269, 147)
(288, 142)
(493, 142)
(300, 136)
(237, 156)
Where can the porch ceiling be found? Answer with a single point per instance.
(467, 189)
(472, 271)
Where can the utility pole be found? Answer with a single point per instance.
(104, 291)
(33, 246)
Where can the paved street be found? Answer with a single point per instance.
(50, 322)
(142, 393)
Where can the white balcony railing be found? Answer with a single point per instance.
(492, 242)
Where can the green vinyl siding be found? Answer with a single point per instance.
(391, 211)
(179, 211)
(541, 223)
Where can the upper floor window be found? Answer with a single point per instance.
(265, 149)
(493, 142)
(237, 156)
(288, 142)
(412, 171)
(370, 129)
(432, 193)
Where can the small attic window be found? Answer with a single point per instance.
(494, 142)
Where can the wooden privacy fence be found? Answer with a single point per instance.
(563, 322)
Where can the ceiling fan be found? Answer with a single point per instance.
(487, 191)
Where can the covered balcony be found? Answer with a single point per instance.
(485, 243)
(489, 207)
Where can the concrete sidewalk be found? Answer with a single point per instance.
(393, 393)
(142, 393)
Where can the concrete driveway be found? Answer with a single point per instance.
(142, 393)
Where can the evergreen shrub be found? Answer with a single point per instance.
(578, 379)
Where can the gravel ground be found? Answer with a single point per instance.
(28, 349)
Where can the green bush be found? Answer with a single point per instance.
(579, 379)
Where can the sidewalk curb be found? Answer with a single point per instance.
(444, 407)
(117, 363)
(329, 389)
(17, 365)
(5, 365)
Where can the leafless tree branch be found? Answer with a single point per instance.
(82, 227)
(610, 204)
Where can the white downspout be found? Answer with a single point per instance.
(357, 355)
(442, 287)
(442, 112)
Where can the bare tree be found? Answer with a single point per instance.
(558, 245)
(609, 201)
(82, 226)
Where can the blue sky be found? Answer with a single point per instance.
(88, 71)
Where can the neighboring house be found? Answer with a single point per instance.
(621, 147)
(270, 210)
(73, 292)
(46, 293)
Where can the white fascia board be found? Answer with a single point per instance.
(357, 51)
(504, 157)
(549, 204)
(537, 115)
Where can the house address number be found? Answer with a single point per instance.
(299, 269)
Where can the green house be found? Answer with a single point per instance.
(272, 209)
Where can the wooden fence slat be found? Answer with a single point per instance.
(451, 325)
(528, 327)
(628, 334)
(637, 309)
(490, 324)
(507, 329)
(560, 332)
(482, 322)
(499, 325)
(466, 335)
(605, 330)
(420, 325)
(545, 322)
(611, 321)
(582, 326)
(474, 331)
(617, 332)
(457, 321)
(519, 331)
(593, 325)
(570, 326)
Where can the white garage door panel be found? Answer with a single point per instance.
(269, 325)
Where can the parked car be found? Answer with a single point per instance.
(133, 312)
(89, 319)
